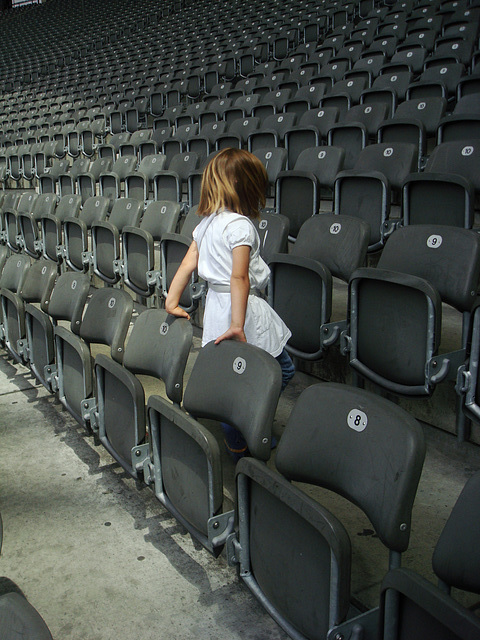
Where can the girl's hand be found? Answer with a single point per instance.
(232, 333)
(177, 311)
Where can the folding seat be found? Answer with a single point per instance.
(111, 149)
(246, 103)
(184, 462)
(453, 49)
(424, 608)
(298, 191)
(274, 159)
(352, 138)
(67, 182)
(273, 231)
(66, 303)
(205, 142)
(306, 97)
(36, 288)
(48, 180)
(460, 157)
(76, 233)
(391, 82)
(131, 148)
(409, 58)
(370, 116)
(352, 49)
(170, 183)
(154, 144)
(465, 88)
(344, 94)
(158, 347)
(178, 142)
(25, 204)
(438, 198)
(327, 246)
(139, 184)
(105, 321)
(370, 64)
(366, 190)
(106, 238)
(463, 123)
(272, 131)
(140, 263)
(437, 80)
(112, 182)
(272, 102)
(51, 236)
(292, 552)
(29, 223)
(237, 133)
(415, 121)
(321, 118)
(421, 38)
(87, 182)
(12, 279)
(420, 267)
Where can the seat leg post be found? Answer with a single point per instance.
(463, 424)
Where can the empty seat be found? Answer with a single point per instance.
(288, 546)
(420, 267)
(76, 232)
(66, 303)
(106, 238)
(301, 286)
(158, 347)
(52, 227)
(298, 192)
(140, 263)
(424, 608)
(104, 322)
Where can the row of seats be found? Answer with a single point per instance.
(51, 322)
(278, 536)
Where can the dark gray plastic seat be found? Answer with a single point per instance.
(139, 184)
(76, 232)
(52, 226)
(106, 237)
(301, 285)
(425, 610)
(12, 278)
(185, 466)
(158, 347)
(66, 303)
(140, 263)
(298, 192)
(291, 551)
(399, 302)
(28, 223)
(105, 321)
(36, 288)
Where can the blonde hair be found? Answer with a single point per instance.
(236, 180)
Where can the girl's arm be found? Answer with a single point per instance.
(239, 291)
(180, 281)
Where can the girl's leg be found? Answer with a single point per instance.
(288, 368)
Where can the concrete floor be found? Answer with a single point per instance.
(101, 559)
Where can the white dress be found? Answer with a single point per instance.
(216, 237)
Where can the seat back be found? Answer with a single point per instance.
(68, 299)
(396, 160)
(447, 257)
(158, 346)
(421, 609)
(336, 438)
(235, 367)
(338, 242)
(106, 320)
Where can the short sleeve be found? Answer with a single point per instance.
(240, 232)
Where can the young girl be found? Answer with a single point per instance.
(226, 252)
